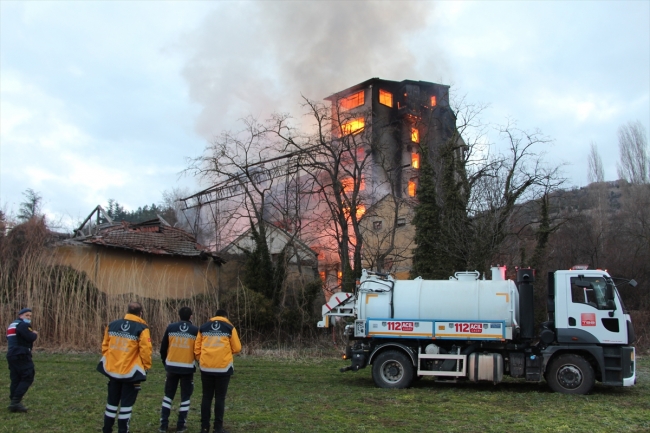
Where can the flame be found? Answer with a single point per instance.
(415, 160)
(415, 135)
(352, 101)
(385, 98)
(353, 126)
(433, 101)
(347, 184)
(412, 187)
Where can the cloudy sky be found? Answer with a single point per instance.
(107, 100)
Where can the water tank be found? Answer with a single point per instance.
(455, 299)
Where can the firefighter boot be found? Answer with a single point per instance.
(16, 406)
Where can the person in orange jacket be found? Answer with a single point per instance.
(215, 345)
(126, 357)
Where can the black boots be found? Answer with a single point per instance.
(16, 406)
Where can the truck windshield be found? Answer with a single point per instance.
(591, 291)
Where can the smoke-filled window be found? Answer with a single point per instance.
(353, 126)
(352, 101)
(415, 135)
(434, 101)
(385, 98)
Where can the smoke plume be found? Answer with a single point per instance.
(260, 57)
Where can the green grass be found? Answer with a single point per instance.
(310, 395)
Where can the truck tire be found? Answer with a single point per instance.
(392, 369)
(570, 374)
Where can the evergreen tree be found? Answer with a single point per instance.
(455, 228)
(427, 255)
(31, 207)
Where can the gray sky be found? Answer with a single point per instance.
(106, 100)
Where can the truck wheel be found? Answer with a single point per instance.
(392, 369)
(570, 374)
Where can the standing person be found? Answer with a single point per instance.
(126, 357)
(20, 339)
(177, 353)
(216, 343)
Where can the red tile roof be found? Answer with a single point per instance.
(151, 237)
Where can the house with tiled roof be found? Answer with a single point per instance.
(150, 259)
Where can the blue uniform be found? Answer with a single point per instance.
(20, 339)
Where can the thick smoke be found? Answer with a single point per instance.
(259, 58)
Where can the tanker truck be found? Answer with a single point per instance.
(468, 328)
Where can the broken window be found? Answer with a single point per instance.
(415, 160)
(433, 101)
(352, 101)
(415, 135)
(353, 126)
(376, 225)
(385, 98)
(412, 187)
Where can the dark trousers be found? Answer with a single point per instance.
(122, 394)
(171, 385)
(214, 387)
(21, 373)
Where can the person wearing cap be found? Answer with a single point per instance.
(126, 357)
(177, 354)
(20, 339)
(215, 345)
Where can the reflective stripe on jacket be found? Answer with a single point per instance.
(177, 347)
(126, 350)
(216, 343)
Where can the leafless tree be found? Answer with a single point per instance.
(336, 157)
(596, 172)
(633, 148)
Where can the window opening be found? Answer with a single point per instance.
(353, 126)
(592, 291)
(415, 135)
(376, 225)
(352, 101)
(415, 160)
(401, 222)
(385, 98)
(412, 187)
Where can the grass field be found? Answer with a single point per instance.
(310, 395)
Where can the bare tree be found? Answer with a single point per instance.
(336, 157)
(596, 172)
(633, 148)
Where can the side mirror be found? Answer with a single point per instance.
(633, 283)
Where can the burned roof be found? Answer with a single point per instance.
(153, 237)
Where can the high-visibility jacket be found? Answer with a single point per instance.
(216, 343)
(126, 350)
(177, 347)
